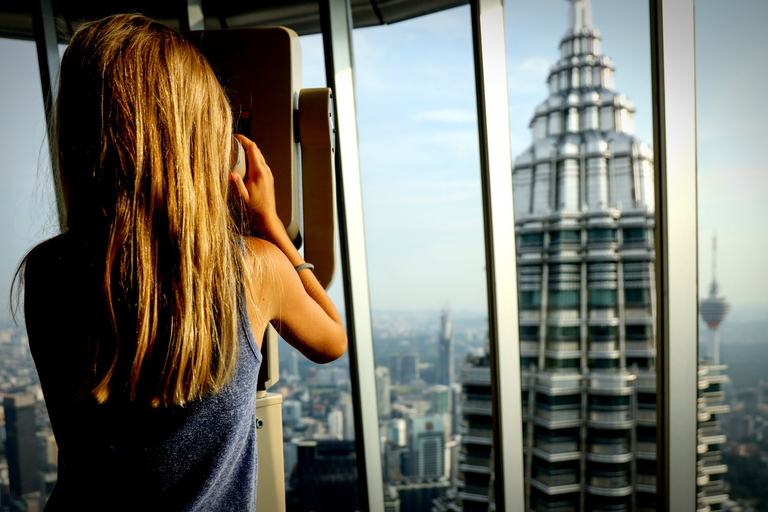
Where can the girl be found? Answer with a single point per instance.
(145, 316)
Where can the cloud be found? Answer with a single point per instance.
(534, 65)
(449, 115)
(529, 76)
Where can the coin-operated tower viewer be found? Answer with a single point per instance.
(260, 70)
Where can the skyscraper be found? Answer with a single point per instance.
(445, 349)
(584, 219)
(584, 215)
(22, 446)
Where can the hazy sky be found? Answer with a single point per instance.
(419, 152)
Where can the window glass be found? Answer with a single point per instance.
(532, 239)
(732, 188)
(422, 208)
(633, 235)
(581, 127)
(28, 214)
(530, 299)
(601, 235)
(564, 237)
(602, 298)
(318, 413)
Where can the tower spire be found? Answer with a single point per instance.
(713, 287)
(580, 15)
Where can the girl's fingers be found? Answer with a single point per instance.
(237, 181)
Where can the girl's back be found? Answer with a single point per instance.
(123, 455)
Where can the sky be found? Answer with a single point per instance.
(419, 161)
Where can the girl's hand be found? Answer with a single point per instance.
(258, 192)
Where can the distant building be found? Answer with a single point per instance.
(291, 412)
(473, 461)
(417, 496)
(383, 392)
(713, 310)
(441, 402)
(404, 368)
(336, 424)
(345, 405)
(22, 445)
(324, 478)
(710, 470)
(445, 350)
(426, 443)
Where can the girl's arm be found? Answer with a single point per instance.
(296, 303)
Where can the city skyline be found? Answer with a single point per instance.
(427, 192)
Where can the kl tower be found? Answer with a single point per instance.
(714, 309)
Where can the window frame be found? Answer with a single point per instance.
(673, 89)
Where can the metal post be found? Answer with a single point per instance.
(192, 17)
(501, 268)
(47, 42)
(336, 22)
(674, 104)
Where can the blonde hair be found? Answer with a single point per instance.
(143, 144)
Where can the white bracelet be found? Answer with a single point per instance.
(305, 266)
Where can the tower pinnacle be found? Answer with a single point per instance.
(580, 15)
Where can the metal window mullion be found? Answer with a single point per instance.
(47, 42)
(192, 17)
(501, 268)
(336, 23)
(674, 104)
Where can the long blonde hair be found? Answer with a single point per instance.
(143, 137)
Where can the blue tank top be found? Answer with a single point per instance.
(199, 457)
